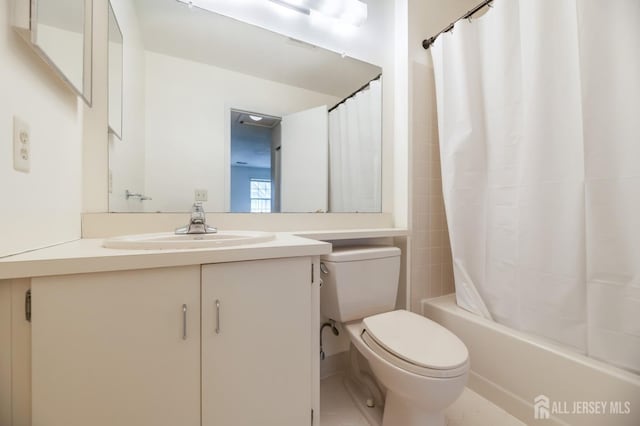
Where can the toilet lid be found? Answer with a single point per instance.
(417, 341)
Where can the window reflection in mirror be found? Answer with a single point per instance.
(197, 72)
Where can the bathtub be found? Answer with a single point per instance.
(513, 369)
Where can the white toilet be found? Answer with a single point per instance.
(422, 365)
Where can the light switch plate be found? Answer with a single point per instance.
(21, 145)
(201, 195)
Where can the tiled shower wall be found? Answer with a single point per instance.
(431, 266)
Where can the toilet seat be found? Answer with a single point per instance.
(416, 344)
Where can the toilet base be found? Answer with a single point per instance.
(372, 414)
(398, 412)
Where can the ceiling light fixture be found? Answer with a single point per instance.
(255, 117)
(353, 12)
(298, 6)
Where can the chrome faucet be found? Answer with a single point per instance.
(198, 222)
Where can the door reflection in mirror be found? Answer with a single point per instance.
(279, 164)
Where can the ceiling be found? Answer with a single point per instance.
(172, 28)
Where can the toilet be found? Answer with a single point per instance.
(422, 365)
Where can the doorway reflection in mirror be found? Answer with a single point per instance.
(255, 146)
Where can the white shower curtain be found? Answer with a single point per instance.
(539, 125)
(355, 149)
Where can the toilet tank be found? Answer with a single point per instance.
(359, 281)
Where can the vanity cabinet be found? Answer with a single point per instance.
(225, 344)
(109, 348)
(256, 345)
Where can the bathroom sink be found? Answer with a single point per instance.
(171, 241)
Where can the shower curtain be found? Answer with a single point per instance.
(355, 150)
(539, 126)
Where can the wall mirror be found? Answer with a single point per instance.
(61, 33)
(240, 118)
(114, 74)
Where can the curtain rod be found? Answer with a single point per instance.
(428, 42)
(355, 93)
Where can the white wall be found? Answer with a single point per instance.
(400, 117)
(127, 155)
(187, 123)
(42, 207)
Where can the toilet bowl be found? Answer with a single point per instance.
(421, 364)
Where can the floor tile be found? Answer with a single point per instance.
(471, 409)
(336, 406)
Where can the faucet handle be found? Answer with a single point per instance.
(197, 207)
(197, 213)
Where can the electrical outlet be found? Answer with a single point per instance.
(21, 146)
(201, 195)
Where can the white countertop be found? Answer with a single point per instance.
(88, 255)
(353, 234)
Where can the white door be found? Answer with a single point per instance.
(305, 164)
(111, 348)
(276, 168)
(256, 351)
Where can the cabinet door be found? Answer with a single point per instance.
(108, 348)
(256, 346)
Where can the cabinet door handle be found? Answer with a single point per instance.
(184, 322)
(217, 316)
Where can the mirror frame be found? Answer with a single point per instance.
(86, 92)
(112, 126)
